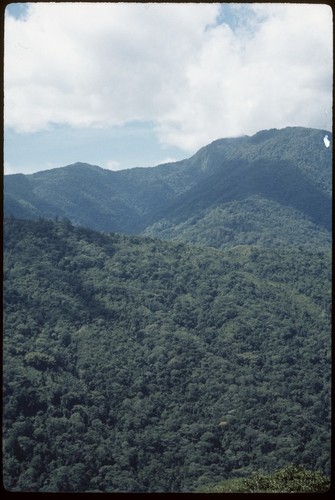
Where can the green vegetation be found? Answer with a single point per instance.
(271, 189)
(253, 221)
(290, 479)
(141, 365)
(133, 364)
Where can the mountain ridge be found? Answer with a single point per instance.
(290, 166)
(133, 364)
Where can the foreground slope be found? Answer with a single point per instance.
(273, 188)
(132, 364)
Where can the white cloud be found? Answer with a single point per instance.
(113, 165)
(277, 72)
(103, 64)
(162, 161)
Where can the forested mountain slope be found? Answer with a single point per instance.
(133, 364)
(281, 177)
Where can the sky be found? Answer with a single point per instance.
(124, 85)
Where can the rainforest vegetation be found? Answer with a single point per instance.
(136, 364)
(167, 329)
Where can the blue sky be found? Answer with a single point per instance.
(17, 10)
(131, 145)
(127, 85)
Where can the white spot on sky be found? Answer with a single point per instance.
(326, 141)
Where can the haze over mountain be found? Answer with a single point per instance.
(273, 188)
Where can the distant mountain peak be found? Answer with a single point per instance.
(79, 164)
(219, 196)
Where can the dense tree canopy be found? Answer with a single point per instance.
(133, 364)
(289, 479)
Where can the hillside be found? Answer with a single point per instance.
(133, 364)
(271, 189)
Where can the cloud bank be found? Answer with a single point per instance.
(196, 71)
